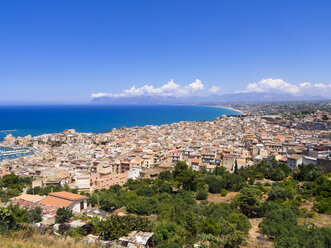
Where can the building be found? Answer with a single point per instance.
(294, 161)
(309, 160)
(136, 239)
(228, 162)
(65, 199)
(325, 164)
(195, 164)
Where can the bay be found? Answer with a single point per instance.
(37, 120)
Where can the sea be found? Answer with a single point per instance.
(38, 120)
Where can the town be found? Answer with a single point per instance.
(88, 162)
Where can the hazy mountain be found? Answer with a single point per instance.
(211, 99)
(135, 100)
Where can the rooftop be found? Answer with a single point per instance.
(68, 196)
(55, 202)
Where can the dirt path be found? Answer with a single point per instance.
(255, 239)
(321, 220)
(217, 198)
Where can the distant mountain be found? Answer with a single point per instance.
(135, 100)
(211, 99)
(263, 97)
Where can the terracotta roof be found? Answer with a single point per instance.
(195, 160)
(3, 174)
(68, 195)
(294, 156)
(55, 201)
(27, 197)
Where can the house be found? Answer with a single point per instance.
(309, 160)
(134, 173)
(325, 164)
(320, 151)
(82, 181)
(294, 161)
(228, 162)
(208, 157)
(27, 197)
(65, 199)
(104, 181)
(136, 239)
(195, 164)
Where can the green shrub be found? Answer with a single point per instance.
(259, 176)
(202, 194)
(224, 192)
(63, 215)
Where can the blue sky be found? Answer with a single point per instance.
(65, 51)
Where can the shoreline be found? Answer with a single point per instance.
(238, 112)
(219, 106)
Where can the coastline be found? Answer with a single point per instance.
(236, 110)
(32, 151)
(222, 107)
(199, 116)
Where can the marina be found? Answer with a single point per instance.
(11, 153)
(6, 131)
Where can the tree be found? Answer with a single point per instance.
(165, 188)
(236, 167)
(168, 232)
(209, 226)
(145, 190)
(235, 238)
(277, 192)
(215, 183)
(165, 175)
(63, 215)
(219, 171)
(202, 194)
(35, 215)
(6, 220)
(9, 181)
(309, 172)
(114, 227)
(248, 202)
(186, 177)
(142, 206)
(20, 215)
(224, 192)
(240, 221)
(11, 217)
(179, 168)
(279, 220)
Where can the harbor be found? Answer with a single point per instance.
(11, 153)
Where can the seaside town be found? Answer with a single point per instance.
(86, 162)
(165, 124)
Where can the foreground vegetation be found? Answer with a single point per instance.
(267, 190)
(174, 206)
(31, 238)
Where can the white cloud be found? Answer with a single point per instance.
(96, 95)
(305, 85)
(196, 85)
(270, 85)
(321, 86)
(214, 89)
(168, 89)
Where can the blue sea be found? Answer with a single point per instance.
(37, 120)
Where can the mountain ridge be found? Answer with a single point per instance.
(213, 98)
